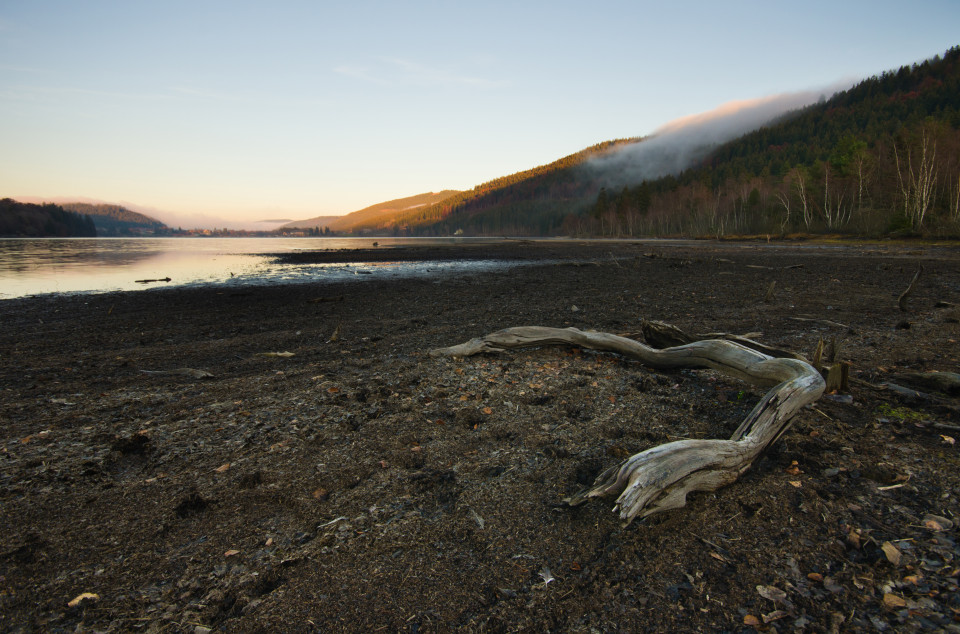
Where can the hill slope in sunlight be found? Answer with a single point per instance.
(372, 217)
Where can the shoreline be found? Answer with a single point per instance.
(397, 261)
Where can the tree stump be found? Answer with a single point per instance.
(660, 478)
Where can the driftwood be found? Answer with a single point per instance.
(661, 335)
(946, 382)
(660, 478)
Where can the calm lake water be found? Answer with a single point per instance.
(90, 265)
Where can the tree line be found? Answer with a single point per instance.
(28, 220)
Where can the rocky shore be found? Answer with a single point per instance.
(291, 458)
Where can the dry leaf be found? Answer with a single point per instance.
(80, 598)
(487, 410)
(774, 616)
(892, 553)
(937, 523)
(231, 553)
(796, 483)
(222, 468)
(773, 593)
(793, 469)
(853, 538)
(894, 602)
(815, 576)
(476, 518)
(751, 620)
(546, 575)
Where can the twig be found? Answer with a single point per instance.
(769, 294)
(863, 383)
(902, 301)
(333, 521)
(822, 414)
(947, 427)
(822, 321)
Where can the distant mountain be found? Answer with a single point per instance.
(29, 220)
(112, 220)
(373, 217)
(317, 222)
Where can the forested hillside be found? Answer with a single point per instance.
(115, 220)
(878, 159)
(532, 202)
(881, 158)
(27, 220)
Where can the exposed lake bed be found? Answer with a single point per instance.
(330, 474)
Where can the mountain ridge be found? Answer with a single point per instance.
(111, 219)
(369, 217)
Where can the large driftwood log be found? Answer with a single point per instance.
(660, 478)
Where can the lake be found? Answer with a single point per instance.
(32, 266)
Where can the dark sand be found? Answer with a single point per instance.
(362, 485)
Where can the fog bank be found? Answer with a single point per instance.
(682, 143)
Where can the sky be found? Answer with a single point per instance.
(222, 113)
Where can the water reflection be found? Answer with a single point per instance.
(57, 254)
(35, 266)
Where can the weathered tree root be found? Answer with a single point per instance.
(660, 478)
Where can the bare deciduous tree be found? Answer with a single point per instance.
(917, 186)
(802, 192)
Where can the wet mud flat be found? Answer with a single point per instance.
(291, 458)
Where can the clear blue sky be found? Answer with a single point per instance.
(250, 110)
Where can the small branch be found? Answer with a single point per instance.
(902, 300)
(769, 296)
(822, 321)
(945, 382)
